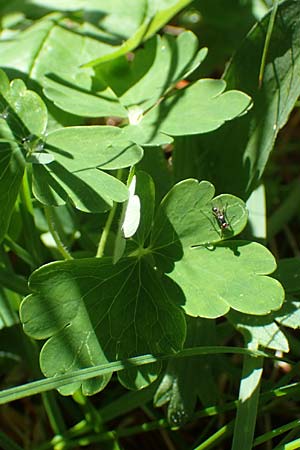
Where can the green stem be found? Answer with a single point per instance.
(21, 252)
(106, 229)
(294, 425)
(267, 43)
(14, 282)
(53, 230)
(27, 212)
(92, 416)
(53, 412)
(7, 443)
(105, 232)
(217, 437)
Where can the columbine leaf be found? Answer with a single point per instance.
(186, 215)
(154, 70)
(213, 278)
(92, 311)
(154, 15)
(199, 108)
(231, 275)
(23, 117)
(289, 314)
(121, 84)
(263, 331)
(81, 154)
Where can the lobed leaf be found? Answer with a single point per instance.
(230, 275)
(23, 117)
(81, 154)
(92, 311)
(213, 278)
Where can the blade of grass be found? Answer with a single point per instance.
(294, 425)
(48, 384)
(217, 437)
(267, 43)
(247, 404)
(294, 445)
(7, 444)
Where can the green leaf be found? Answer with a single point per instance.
(154, 162)
(260, 331)
(230, 275)
(289, 314)
(154, 15)
(267, 331)
(76, 100)
(199, 108)
(92, 311)
(118, 18)
(81, 154)
(154, 70)
(23, 117)
(186, 215)
(213, 278)
(121, 84)
(248, 141)
(42, 52)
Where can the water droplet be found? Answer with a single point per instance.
(178, 417)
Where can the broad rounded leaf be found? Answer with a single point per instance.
(154, 15)
(92, 311)
(185, 217)
(121, 84)
(229, 275)
(75, 100)
(23, 118)
(76, 175)
(199, 108)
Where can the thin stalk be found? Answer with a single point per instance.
(7, 444)
(248, 403)
(294, 445)
(53, 413)
(26, 208)
(294, 425)
(92, 416)
(54, 232)
(72, 436)
(217, 437)
(105, 232)
(14, 282)
(267, 43)
(19, 251)
(106, 229)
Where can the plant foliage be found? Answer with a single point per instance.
(123, 181)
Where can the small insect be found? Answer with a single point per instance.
(221, 218)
